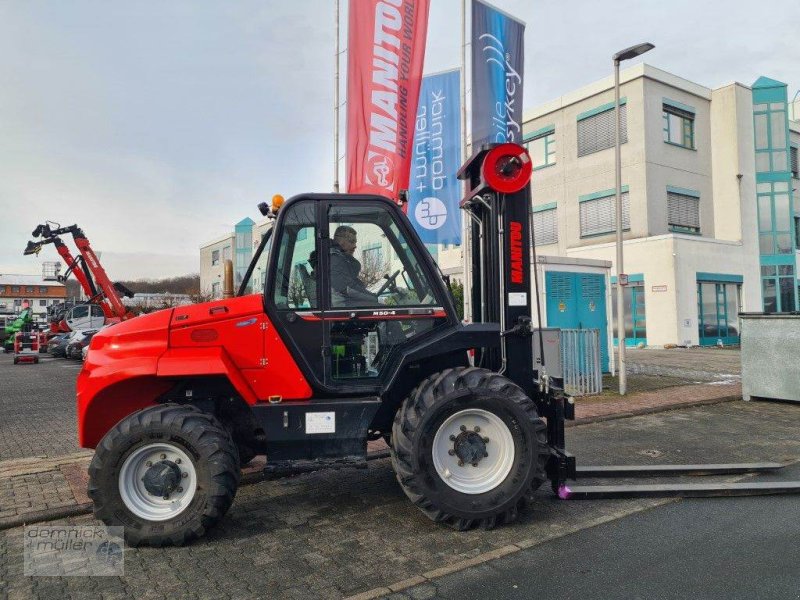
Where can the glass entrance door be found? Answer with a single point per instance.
(717, 310)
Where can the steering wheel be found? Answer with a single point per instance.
(390, 283)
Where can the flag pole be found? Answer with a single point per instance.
(466, 241)
(336, 107)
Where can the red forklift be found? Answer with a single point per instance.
(317, 363)
(86, 267)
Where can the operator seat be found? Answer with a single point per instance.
(309, 284)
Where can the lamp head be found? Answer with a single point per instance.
(632, 52)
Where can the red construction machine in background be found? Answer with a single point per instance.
(27, 345)
(86, 267)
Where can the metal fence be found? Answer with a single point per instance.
(580, 359)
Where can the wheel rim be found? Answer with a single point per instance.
(141, 463)
(458, 441)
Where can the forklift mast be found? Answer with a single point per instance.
(497, 203)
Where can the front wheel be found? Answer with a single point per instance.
(166, 473)
(469, 448)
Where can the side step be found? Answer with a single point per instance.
(686, 490)
(674, 470)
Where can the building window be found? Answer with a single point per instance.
(683, 210)
(42, 290)
(678, 124)
(29, 289)
(598, 215)
(214, 258)
(769, 123)
(793, 162)
(542, 147)
(797, 233)
(42, 302)
(215, 290)
(15, 289)
(545, 226)
(226, 253)
(596, 128)
(778, 288)
(775, 218)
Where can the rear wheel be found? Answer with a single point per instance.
(469, 448)
(166, 474)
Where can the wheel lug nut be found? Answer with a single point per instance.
(179, 490)
(166, 496)
(474, 464)
(463, 428)
(485, 454)
(485, 440)
(451, 452)
(177, 461)
(163, 456)
(477, 429)
(149, 463)
(184, 475)
(452, 438)
(461, 463)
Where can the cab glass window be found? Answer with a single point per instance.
(371, 263)
(295, 277)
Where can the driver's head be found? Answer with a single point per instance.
(347, 238)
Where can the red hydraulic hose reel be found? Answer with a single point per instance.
(507, 168)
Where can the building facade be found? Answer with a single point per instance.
(704, 237)
(237, 246)
(37, 292)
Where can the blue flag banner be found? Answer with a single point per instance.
(433, 190)
(498, 53)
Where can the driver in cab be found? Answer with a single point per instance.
(347, 288)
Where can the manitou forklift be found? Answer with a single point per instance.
(317, 363)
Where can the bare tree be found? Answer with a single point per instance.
(373, 267)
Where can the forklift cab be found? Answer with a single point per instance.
(344, 270)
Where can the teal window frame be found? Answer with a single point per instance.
(766, 193)
(796, 232)
(769, 112)
(780, 276)
(793, 161)
(721, 287)
(687, 116)
(548, 135)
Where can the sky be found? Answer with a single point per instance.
(156, 126)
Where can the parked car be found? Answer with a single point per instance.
(78, 342)
(57, 346)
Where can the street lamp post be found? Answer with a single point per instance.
(626, 54)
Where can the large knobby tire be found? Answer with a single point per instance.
(173, 447)
(440, 415)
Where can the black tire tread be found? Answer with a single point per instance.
(213, 443)
(423, 398)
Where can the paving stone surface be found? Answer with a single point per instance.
(37, 408)
(702, 364)
(339, 534)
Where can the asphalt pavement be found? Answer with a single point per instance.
(715, 549)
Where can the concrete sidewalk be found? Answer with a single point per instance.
(37, 489)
